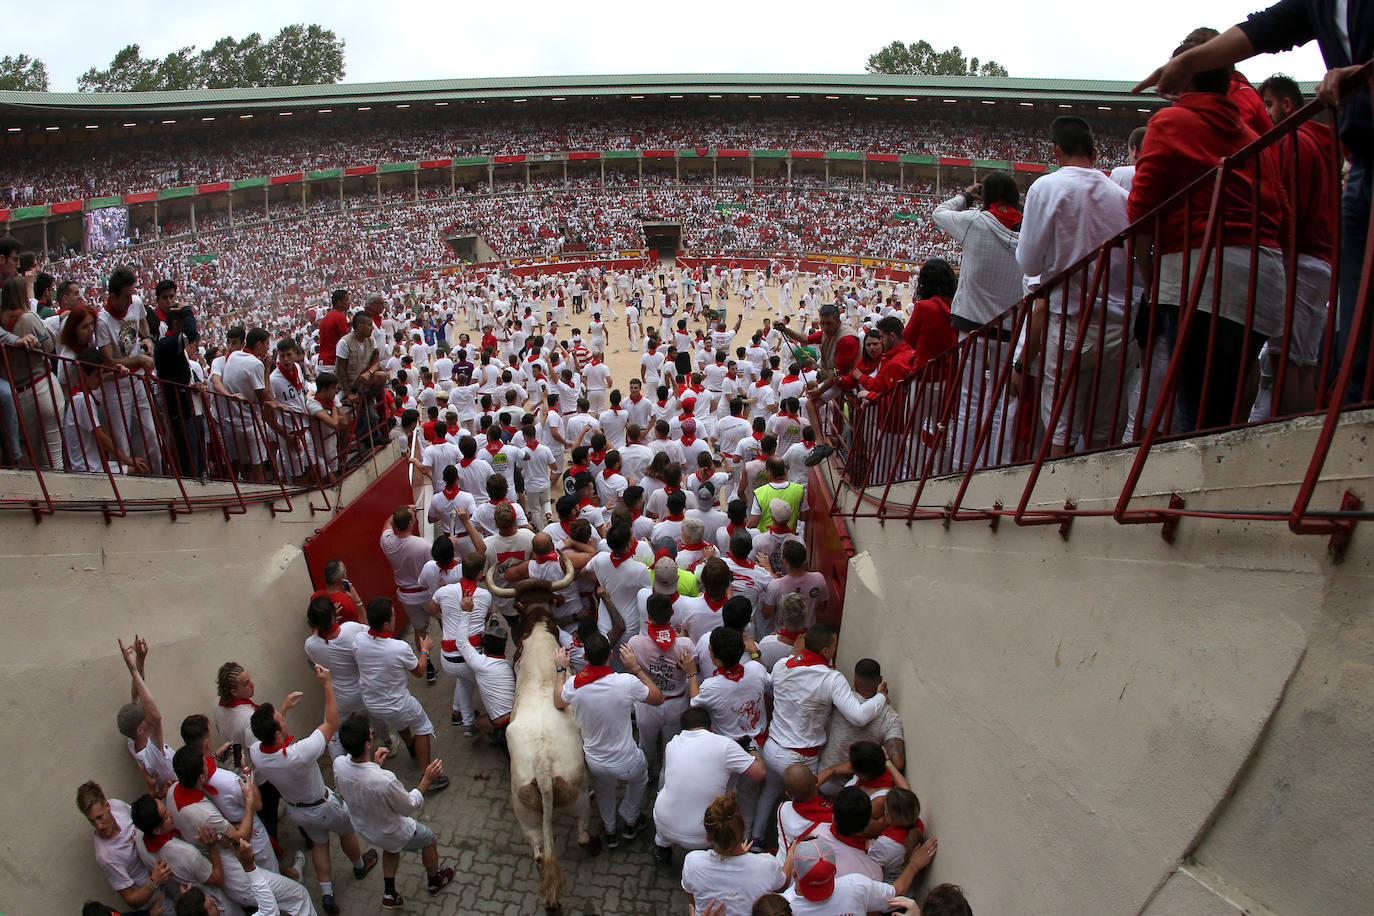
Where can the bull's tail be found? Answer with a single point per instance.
(550, 875)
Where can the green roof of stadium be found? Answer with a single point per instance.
(511, 89)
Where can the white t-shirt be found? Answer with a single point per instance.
(384, 664)
(293, 769)
(379, 806)
(736, 881)
(336, 654)
(697, 766)
(737, 707)
(78, 433)
(622, 583)
(118, 856)
(535, 468)
(854, 895)
(602, 709)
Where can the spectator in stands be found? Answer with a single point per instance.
(333, 327)
(1068, 214)
(1345, 46)
(1184, 142)
(989, 284)
(26, 369)
(1305, 158)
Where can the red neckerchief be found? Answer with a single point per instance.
(1006, 214)
(158, 840)
(789, 379)
(273, 748)
(291, 372)
(779, 529)
(184, 796)
(567, 526)
(383, 634)
(662, 403)
(451, 493)
(464, 462)
(809, 443)
(670, 489)
(688, 440)
(449, 565)
(210, 771)
(699, 545)
(808, 658)
(109, 307)
(714, 604)
(637, 513)
(815, 809)
(333, 634)
(608, 473)
(758, 437)
(575, 469)
(551, 557)
(325, 402)
(494, 446)
(238, 702)
(898, 834)
(582, 504)
(636, 398)
(596, 457)
(616, 408)
(734, 673)
(618, 558)
(760, 384)
(590, 674)
(664, 636)
(857, 842)
(789, 636)
(673, 518)
(705, 474)
(884, 781)
(746, 564)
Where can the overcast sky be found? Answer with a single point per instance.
(407, 40)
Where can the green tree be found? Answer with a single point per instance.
(299, 55)
(128, 72)
(920, 57)
(23, 74)
(305, 55)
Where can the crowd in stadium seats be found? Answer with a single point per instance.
(32, 175)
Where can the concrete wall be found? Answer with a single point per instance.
(200, 589)
(1114, 724)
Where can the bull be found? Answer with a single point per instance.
(547, 769)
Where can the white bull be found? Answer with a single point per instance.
(547, 768)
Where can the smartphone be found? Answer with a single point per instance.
(348, 586)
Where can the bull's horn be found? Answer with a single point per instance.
(567, 577)
(497, 590)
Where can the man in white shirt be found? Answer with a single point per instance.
(116, 850)
(462, 609)
(805, 689)
(602, 701)
(408, 553)
(639, 408)
(698, 767)
(538, 469)
(140, 722)
(292, 767)
(1068, 214)
(819, 890)
(666, 657)
(473, 471)
(384, 664)
(330, 645)
(597, 377)
(382, 807)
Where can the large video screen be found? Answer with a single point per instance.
(107, 228)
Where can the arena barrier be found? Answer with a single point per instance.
(188, 435)
(1116, 374)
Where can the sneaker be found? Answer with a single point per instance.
(632, 829)
(393, 901)
(369, 861)
(610, 839)
(819, 454)
(439, 784)
(328, 905)
(469, 731)
(663, 856)
(431, 675)
(441, 880)
(456, 719)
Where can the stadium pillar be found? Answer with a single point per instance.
(193, 217)
(827, 171)
(789, 172)
(937, 179)
(751, 171)
(527, 176)
(491, 178)
(229, 196)
(452, 181)
(901, 176)
(565, 173)
(302, 196)
(865, 172)
(415, 183)
(640, 163)
(715, 176)
(45, 239)
(603, 171)
(267, 203)
(341, 196)
(157, 226)
(677, 170)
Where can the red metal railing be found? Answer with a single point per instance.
(131, 424)
(1136, 347)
